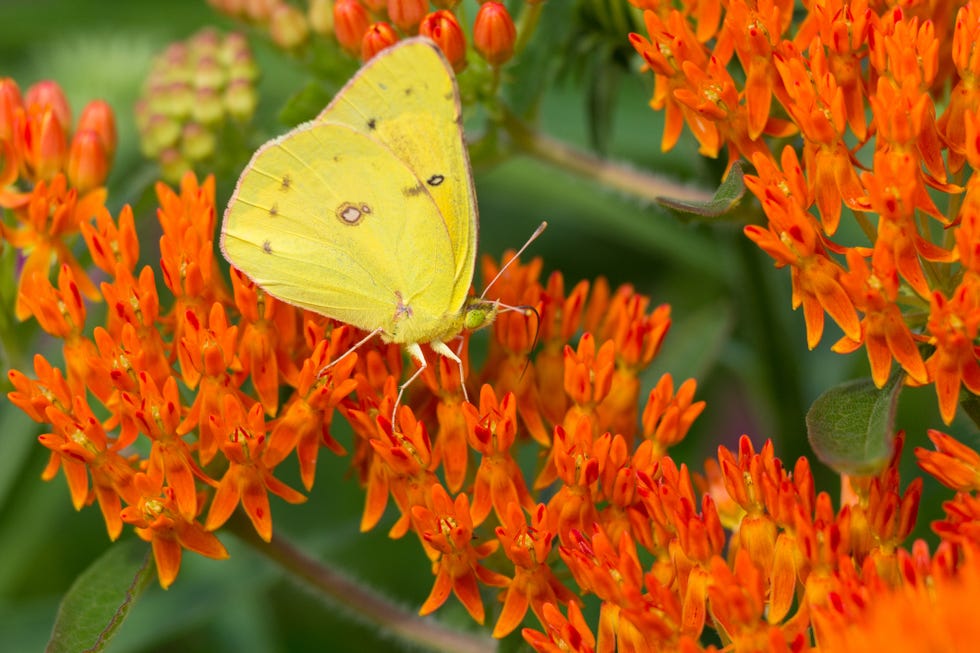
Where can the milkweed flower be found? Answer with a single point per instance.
(860, 85)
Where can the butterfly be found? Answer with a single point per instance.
(367, 214)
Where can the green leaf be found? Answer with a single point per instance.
(727, 197)
(852, 426)
(100, 599)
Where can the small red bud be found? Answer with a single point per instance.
(378, 37)
(494, 33)
(443, 28)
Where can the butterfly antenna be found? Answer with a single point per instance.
(528, 310)
(534, 236)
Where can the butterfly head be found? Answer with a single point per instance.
(478, 313)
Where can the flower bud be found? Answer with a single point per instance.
(98, 116)
(407, 14)
(259, 11)
(46, 143)
(88, 161)
(161, 133)
(320, 15)
(196, 142)
(10, 101)
(208, 107)
(350, 22)
(209, 73)
(378, 37)
(240, 99)
(443, 28)
(48, 94)
(494, 33)
(173, 165)
(288, 28)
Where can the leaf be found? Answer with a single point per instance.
(851, 427)
(101, 597)
(727, 197)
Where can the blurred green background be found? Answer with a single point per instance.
(733, 328)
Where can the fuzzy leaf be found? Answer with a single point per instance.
(100, 598)
(727, 197)
(851, 427)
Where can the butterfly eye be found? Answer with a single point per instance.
(350, 214)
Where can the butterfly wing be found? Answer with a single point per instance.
(406, 98)
(330, 220)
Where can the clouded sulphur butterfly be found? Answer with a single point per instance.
(367, 214)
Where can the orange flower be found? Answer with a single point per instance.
(534, 584)
(247, 480)
(447, 528)
(952, 328)
(565, 635)
(499, 480)
(157, 521)
(953, 464)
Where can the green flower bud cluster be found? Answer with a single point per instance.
(194, 88)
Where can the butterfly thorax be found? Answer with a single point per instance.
(410, 327)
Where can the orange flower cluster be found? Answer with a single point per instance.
(365, 27)
(179, 406)
(912, 294)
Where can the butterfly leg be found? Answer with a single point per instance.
(355, 347)
(443, 349)
(415, 352)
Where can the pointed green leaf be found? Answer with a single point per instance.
(852, 426)
(101, 597)
(727, 197)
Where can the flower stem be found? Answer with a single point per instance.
(609, 174)
(365, 604)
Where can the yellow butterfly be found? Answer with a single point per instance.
(367, 214)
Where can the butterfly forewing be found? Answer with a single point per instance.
(406, 98)
(333, 221)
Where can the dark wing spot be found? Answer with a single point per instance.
(352, 214)
(408, 91)
(412, 191)
(372, 124)
(435, 180)
(267, 247)
(287, 182)
(274, 210)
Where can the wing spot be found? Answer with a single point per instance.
(274, 210)
(435, 180)
(286, 183)
(402, 310)
(352, 214)
(267, 247)
(372, 124)
(413, 191)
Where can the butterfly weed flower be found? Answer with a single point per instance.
(859, 84)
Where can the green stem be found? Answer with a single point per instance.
(365, 604)
(639, 184)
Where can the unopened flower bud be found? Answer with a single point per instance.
(320, 15)
(378, 37)
(173, 165)
(240, 99)
(88, 161)
(46, 143)
(99, 117)
(288, 27)
(209, 73)
(10, 101)
(161, 133)
(407, 14)
(443, 28)
(208, 106)
(196, 142)
(350, 22)
(48, 94)
(494, 33)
